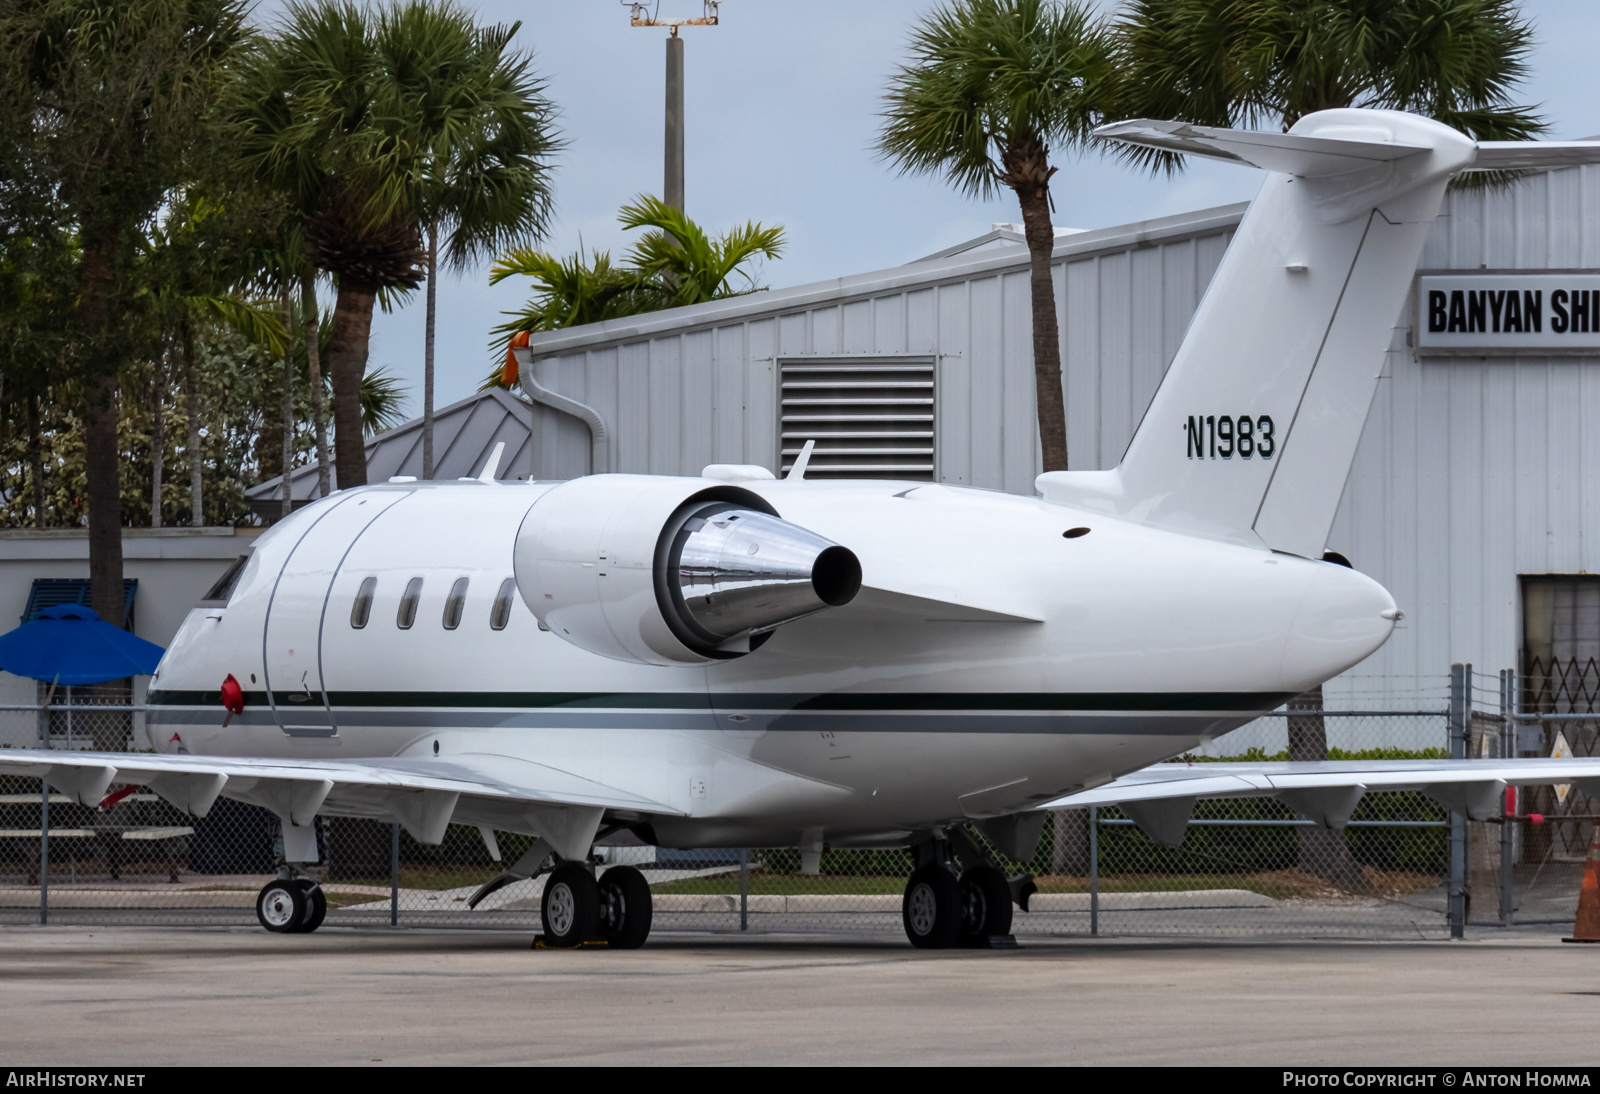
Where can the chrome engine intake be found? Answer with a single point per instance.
(726, 574)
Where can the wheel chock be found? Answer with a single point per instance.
(540, 944)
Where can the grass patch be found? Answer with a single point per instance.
(427, 877)
(765, 884)
(345, 900)
(336, 898)
(1291, 884)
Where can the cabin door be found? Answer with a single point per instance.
(292, 646)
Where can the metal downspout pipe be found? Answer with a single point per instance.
(600, 449)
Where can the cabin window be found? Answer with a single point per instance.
(454, 603)
(500, 614)
(220, 593)
(408, 604)
(362, 608)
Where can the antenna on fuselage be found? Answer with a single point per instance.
(492, 464)
(797, 470)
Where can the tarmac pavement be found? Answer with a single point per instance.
(125, 996)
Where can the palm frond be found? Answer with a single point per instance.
(1249, 63)
(260, 322)
(382, 401)
(673, 263)
(986, 74)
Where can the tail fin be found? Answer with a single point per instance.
(1252, 433)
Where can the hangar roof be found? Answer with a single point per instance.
(464, 435)
(952, 264)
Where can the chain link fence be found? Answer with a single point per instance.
(1246, 868)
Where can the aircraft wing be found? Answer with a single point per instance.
(424, 794)
(1159, 798)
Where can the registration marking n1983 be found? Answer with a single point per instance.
(1224, 436)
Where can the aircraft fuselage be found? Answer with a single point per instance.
(989, 663)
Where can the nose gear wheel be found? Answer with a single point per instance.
(281, 906)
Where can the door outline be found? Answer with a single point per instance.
(322, 618)
(331, 729)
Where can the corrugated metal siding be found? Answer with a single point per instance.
(1470, 471)
(1474, 470)
(677, 400)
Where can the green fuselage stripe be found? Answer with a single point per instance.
(856, 701)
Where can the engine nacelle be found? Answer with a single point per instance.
(664, 571)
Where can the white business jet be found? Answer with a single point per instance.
(735, 660)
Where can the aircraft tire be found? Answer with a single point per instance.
(570, 907)
(625, 908)
(985, 904)
(316, 906)
(931, 908)
(281, 906)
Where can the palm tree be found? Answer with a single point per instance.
(993, 88)
(205, 265)
(105, 106)
(686, 265)
(309, 122)
(673, 264)
(1271, 62)
(571, 291)
(487, 132)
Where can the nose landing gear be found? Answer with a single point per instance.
(291, 905)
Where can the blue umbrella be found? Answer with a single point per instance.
(70, 643)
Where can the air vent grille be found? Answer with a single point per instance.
(870, 418)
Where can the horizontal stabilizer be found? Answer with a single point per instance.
(1531, 155)
(1289, 153)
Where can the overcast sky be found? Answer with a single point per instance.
(781, 102)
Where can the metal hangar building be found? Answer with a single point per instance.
(1473, 497)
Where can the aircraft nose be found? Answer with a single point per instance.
(1344, 618)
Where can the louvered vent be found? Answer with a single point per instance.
(871, 419)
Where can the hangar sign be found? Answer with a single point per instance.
(1508, 313)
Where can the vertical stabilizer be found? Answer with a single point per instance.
(1252, 432)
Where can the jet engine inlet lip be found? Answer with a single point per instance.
(727, 575)
(836, 577)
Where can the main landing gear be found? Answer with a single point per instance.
(580, 904)
(578, 907)
(944, 908)
(292, 905)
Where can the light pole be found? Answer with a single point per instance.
(672, 182)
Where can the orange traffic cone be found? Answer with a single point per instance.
(1587, 927)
